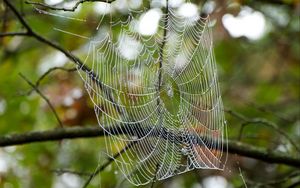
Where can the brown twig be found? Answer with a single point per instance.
(13, 34)
(248, 121)
(275, 2)
(73, 58)
(31, 33)
(234, 147)
(72, 9)
(270, 111)
(276, 182)
(45, 98)
(51, 70)
(109, 161)
(38, 82)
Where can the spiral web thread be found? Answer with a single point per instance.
(164, 99)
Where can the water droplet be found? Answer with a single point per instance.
(116, 172)
(184, 151)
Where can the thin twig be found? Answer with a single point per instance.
(267, 110)
(73, 58)
(109, 161)
(248, 121)
(13, 34)
(38, 82)
(63, 171)
(275, 182)
(275, 2)
(72, 9)
(45, 98)
(32, 33)
(282, 180)
(51, 70)
(242, 177)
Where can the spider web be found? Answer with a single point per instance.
(160, 90)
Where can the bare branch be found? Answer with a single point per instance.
(276, 182)
(19, 16)
(69, 55)
(234, 147)
(64, 171)
(50, 71)
(32, 33)
(270, 111)
(13, 34)
(98, 170)
(248, 121)
(45, 98)
(72, 9)
(110, 160)
(38, 82)
(277, 2)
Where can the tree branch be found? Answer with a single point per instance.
(44, 97)
(107, 163)
(38, 82)
(13, 34)
(31, 33)
(234, 147)
(72, 9)
(276, 2)
(276, 182)
(247, 121)
(73, 58)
